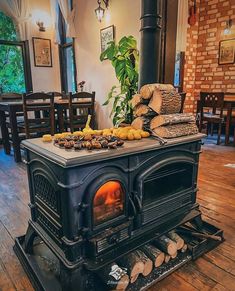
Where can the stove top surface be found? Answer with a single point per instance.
(68, 158)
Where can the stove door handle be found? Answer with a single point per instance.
(133, 208)
(138, 203)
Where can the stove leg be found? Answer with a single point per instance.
(72, 280)
(29, 239)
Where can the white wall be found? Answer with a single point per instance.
(44, 78)
(100, 77)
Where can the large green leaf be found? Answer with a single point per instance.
(110, 95)
(126, 43)
(124, 58)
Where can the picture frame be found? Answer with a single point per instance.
(42, 52)
(226, 52)
(107, 34)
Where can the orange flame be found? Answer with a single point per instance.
(108, 193)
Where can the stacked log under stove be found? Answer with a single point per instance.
(107, 220)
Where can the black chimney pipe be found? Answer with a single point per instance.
(150, 42)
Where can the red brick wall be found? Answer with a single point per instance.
(190, 63)
(202, 71)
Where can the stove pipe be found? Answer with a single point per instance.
(150, 41)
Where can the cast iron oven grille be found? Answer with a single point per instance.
(164, 208)
(45, 192)
(46, 224)
(105, 244)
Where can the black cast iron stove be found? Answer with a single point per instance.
(89, 209)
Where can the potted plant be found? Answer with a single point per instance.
(124, 58)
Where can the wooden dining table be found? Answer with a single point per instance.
(11, 108)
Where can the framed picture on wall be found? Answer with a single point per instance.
(106, 35)
(227, 51)
(42, 52)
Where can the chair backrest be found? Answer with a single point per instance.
(183, 96)
(212, 101)
(81, 105)
(38, 114)
(11, 96)
(57, 94)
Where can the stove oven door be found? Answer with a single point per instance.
(106, 215)
(165, 188)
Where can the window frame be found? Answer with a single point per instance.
(62, 53)
(26, 61)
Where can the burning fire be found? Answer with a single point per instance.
(108, 201)
(109, 193)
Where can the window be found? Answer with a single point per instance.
(15, 75)
(67, 57)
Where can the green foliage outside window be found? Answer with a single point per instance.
(11, 60)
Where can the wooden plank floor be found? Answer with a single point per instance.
(213, 271)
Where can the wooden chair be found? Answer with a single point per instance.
(183, 96)
(12, 96)
(58, 94)
(211, 110)
(80, 106)
(8, 127)
(38, 114)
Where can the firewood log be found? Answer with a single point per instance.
(172, 131)
(170, 119)
(137, 99)
(167, 258)
(114, 277)
(144, 110)
(184, 248)
(147, 90)
(134, 265)
(154, 254)
(148, 264)
(165, 102)
(174, 255)
(141, 122)
(165, 244)
(176, 238)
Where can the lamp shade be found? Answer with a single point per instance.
(99, 12)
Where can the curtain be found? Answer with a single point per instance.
(54, 16)
(68, 15)
(18, 10)
(182, 25)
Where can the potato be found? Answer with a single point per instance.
(78, 133)
(115, 132)
(57, 136)
(47, 138)
(123, 135)
(64, 134)
(107, 132)
(130, 136)
(137, 135)
(132, 131)
(145, 133)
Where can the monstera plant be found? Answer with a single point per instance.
(124, 58)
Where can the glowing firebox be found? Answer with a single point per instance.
(108, 202)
